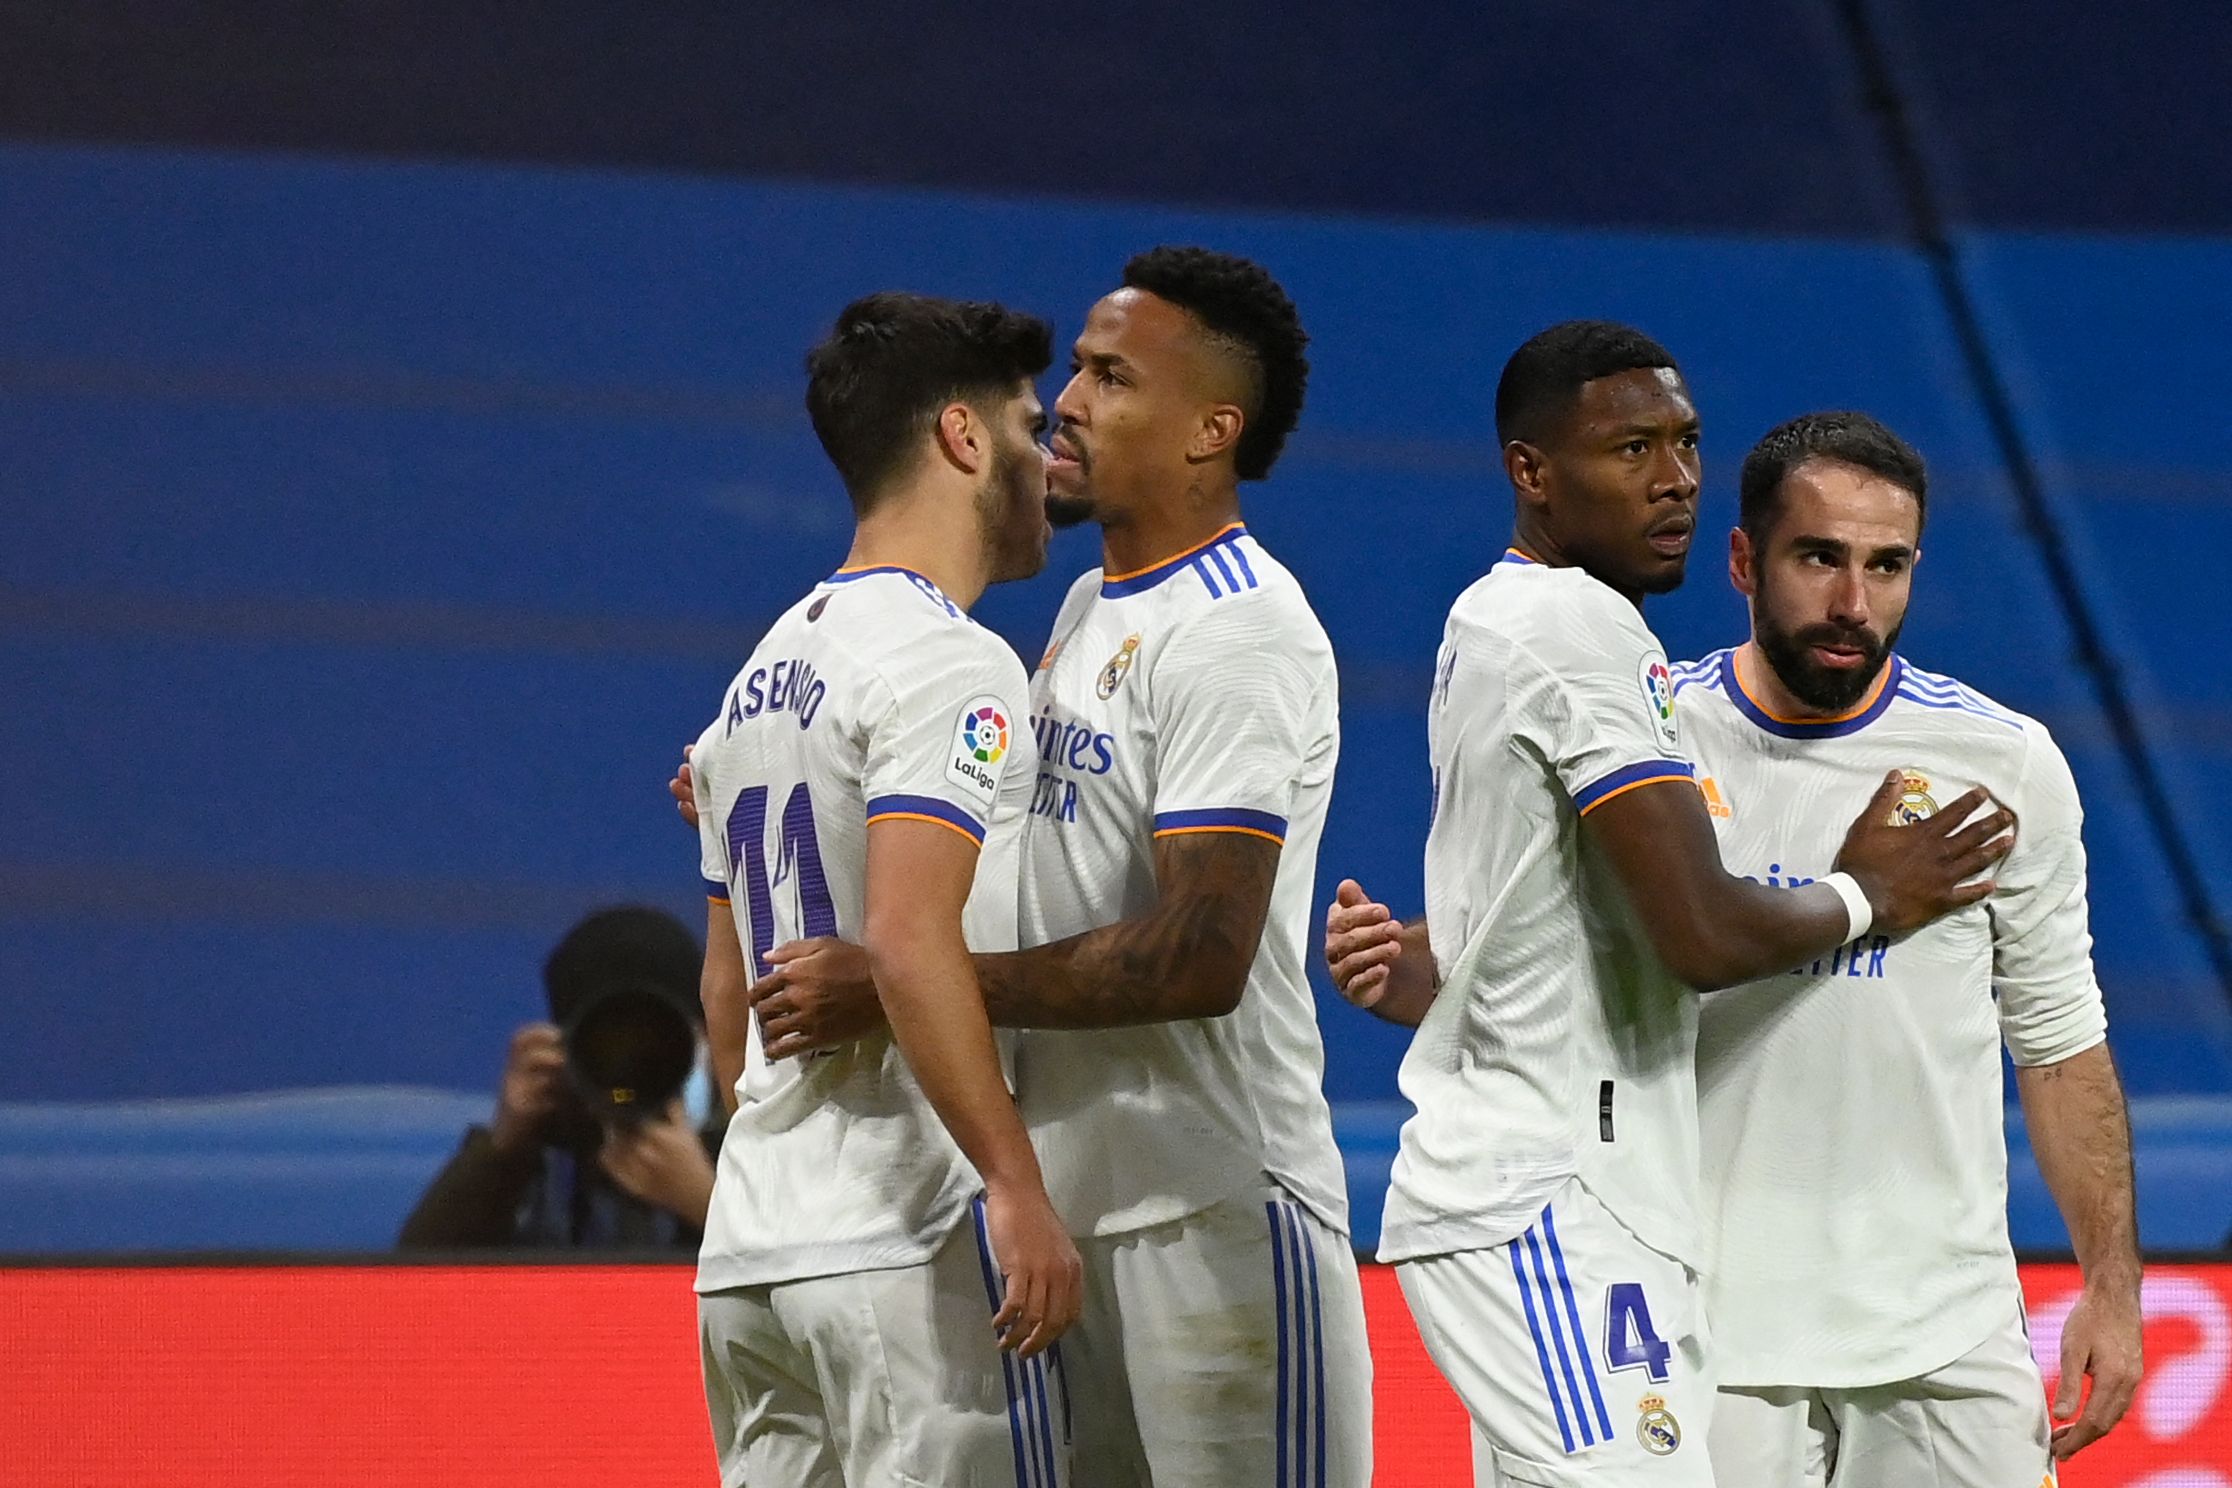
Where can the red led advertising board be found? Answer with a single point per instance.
(565, 1375)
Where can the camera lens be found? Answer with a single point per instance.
(630, 1051)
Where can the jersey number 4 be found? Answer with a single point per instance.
(797, 860)
(1630, 1342)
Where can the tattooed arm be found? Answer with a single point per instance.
(1188, 957)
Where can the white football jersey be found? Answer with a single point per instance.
(1195, 696)
(872, 698)
(1855, 1161)
(1558, 1046)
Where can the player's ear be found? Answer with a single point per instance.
(1741, 560)
(1524, 468)
(963, 440)
(1218, 432)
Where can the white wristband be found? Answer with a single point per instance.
(1858, 912)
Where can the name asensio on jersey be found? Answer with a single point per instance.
(786, 687)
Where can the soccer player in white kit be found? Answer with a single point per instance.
(1542, 1214)
(1186, 717)
(863, 777)
(1867, 1317)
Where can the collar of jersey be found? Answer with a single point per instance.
(1520, 557)
(1886, 688)
(1139, 580)
(869, 571)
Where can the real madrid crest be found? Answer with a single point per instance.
(1112, 675)
(1915, 800)
(1656, 1427)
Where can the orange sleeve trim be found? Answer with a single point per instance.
(1244, 831)
(1636, 785)
(974, 839)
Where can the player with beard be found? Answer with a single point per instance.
(1187, 721)
(1866, 1317)
(1543, 1209)
(862, 776)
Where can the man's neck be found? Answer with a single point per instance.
(1532, 543)
(1149, 537)
(921, 535)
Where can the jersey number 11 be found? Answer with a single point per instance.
(798, 858)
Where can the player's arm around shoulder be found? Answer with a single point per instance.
(1607, 724)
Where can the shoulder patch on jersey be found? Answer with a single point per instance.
(1657, 684)
(980, 744)
(1119, 666)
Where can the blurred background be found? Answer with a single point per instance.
(401, 444)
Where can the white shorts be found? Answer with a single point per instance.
(880, 1378)
(1579, 1352)
(1223, 1350)
(1980, 1422)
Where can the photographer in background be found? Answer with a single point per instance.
(566, 1162)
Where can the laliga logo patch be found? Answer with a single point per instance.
(1656, 1427)
(1658, 697)
(980, 742)
(1915, 800)
(1112, 675)
(985, 733)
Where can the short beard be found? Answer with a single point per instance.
(1668, 581)
(1065, 512)
(1817, 686)
(1011, 487)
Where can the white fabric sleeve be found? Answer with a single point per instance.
(713, 856)
(2049, 998)
(1231, 698)
(1597, 698)
(954, 722)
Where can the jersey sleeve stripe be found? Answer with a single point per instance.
(1224, 819)
(926, 808)
(1631, 777)
(716, 891)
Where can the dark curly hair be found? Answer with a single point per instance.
(876, 383)
(1244, 310)
(1843, 437)
(1544, 377)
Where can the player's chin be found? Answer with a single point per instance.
(1024, 557)
(1662, 573)
(1067, 509)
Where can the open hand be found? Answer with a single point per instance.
(1913, 872)
(818, 995)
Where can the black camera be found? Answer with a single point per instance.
(629, 1051)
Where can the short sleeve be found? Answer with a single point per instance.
(1601, 704)
(953, 726)
(713, 857)
(1234, 693)
(2049, 998)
